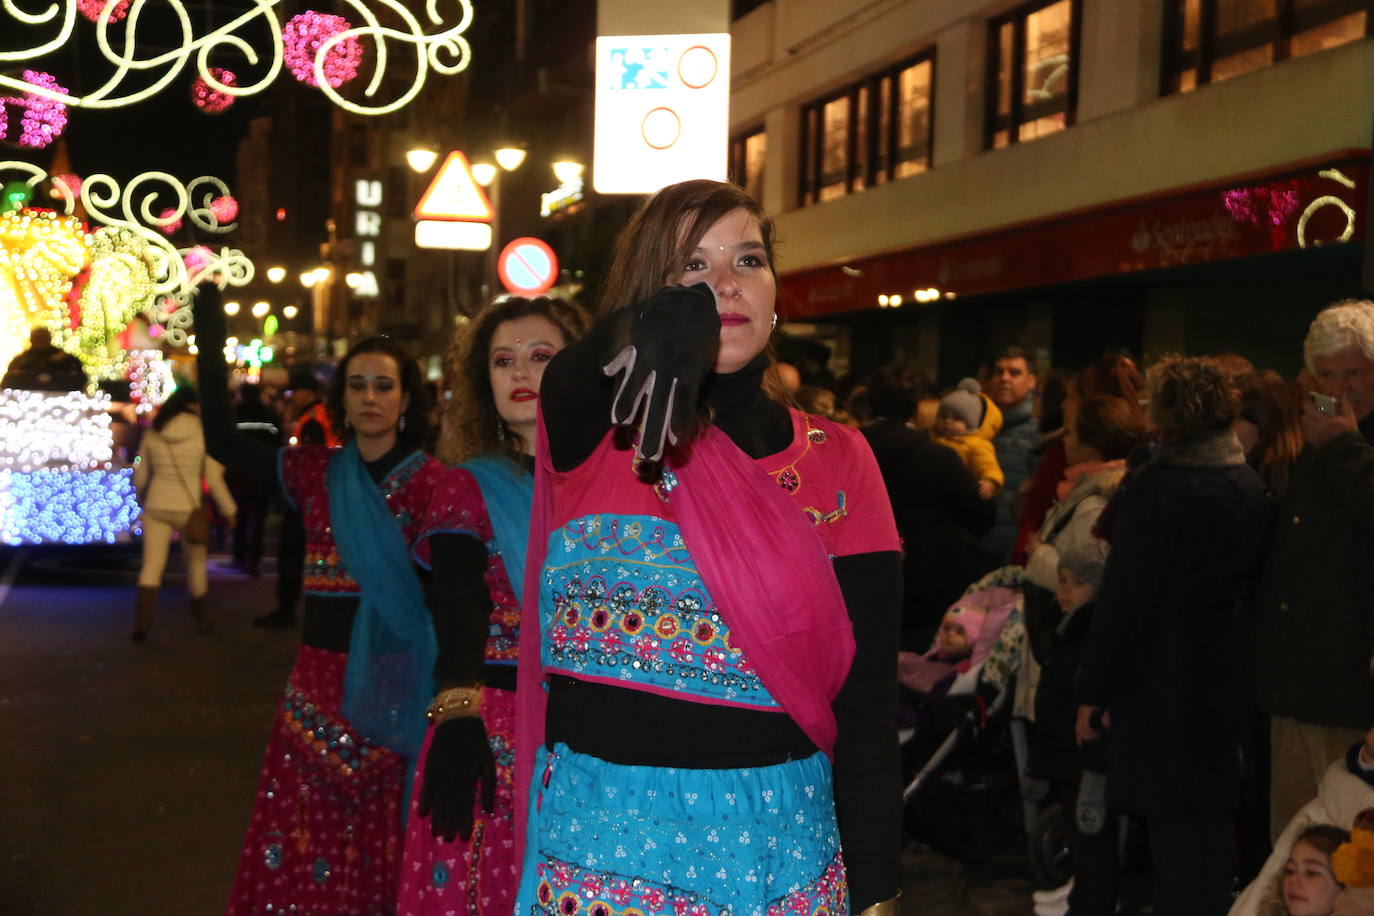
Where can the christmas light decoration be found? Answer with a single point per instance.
(225, 208)
(389, 31)
(150, 378)
(76, 507)
(302, 38)
(133, 267)
(211, 100)
(60, 431)
(170, 222)
(92, 9)
(42, 115)
(56, 481)
(66, 187)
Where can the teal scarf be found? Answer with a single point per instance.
(508, 493)
(389, 678)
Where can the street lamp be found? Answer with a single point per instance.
(276, 274)
(231, 309)
(510, 157)
(567, 171)
(289, 312)
(484, 173)
(421, 158)
(353, 278)
(261, 308)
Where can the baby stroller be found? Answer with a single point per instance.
(964, 756)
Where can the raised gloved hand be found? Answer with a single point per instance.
(672, 345)
(209, 315)
(460, 760)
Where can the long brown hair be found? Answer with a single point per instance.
(659, 239)
(470, 419)
(1267, 401)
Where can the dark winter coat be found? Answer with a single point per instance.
(939, 517)
(1015, 446)
(1058, 644)
(1169, 654)
(1314, 615)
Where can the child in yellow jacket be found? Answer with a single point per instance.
(966, 422)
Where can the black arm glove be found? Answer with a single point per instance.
(459, 755)
(460, 759)
(671, 348)
(868, 777)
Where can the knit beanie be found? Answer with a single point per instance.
(971, 618)
(1084, 557)
(964, 403)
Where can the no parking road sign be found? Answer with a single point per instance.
(527, 267)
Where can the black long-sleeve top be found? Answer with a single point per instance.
(604, 720)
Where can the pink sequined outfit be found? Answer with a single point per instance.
(479, 876)
(325, 836)
(325, 832)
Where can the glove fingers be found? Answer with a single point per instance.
(629, 389)
(489, 785)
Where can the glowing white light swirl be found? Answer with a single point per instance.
(444, 50)
(141, 209)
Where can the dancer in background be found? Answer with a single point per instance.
(460, 849)
(326, 831)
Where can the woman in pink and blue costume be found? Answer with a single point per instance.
(325, 835)
(712, 601)
(460, 849)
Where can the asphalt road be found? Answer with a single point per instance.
(127, 770)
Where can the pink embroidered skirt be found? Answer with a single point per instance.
(325, 835)
(479, 877)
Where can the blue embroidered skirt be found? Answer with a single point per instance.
(612, 840)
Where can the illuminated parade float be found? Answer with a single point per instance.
(88, 261)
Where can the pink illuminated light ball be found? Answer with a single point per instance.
(301, 39)
(211, 100)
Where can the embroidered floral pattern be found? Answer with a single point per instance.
(624, 602)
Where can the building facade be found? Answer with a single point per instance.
(1072, 176)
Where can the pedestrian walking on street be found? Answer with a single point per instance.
(171, 476)
(460, 849)
(326, 834)
(704, 742)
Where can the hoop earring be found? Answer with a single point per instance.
(401, 424)
(500, 430)
(774, 325)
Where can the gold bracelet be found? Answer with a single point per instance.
(884, 907)
(455, 703)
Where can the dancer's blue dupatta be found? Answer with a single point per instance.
(390, 675)
(508, 493)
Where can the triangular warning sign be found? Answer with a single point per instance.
(454, 194)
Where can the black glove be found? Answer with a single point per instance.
(209, 314)
(672, 346)
(459, 760)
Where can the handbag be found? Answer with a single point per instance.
(196, 528)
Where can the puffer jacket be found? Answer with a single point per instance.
(171, 465)
(1015, 446)
(975, 448)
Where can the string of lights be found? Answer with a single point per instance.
(323, 50)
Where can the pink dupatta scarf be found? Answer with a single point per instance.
(760, 559)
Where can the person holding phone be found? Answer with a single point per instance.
(1314, 612)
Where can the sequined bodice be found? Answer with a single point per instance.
(622, 602)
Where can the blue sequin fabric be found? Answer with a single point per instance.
(621, 601)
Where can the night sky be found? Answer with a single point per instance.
(166, 132)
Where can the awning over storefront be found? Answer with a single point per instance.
(1299, 206)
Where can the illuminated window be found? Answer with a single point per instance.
(1032, 72)
(1207, 41)
(868, 133)
(747, 152)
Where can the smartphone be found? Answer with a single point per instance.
(1326, 404)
